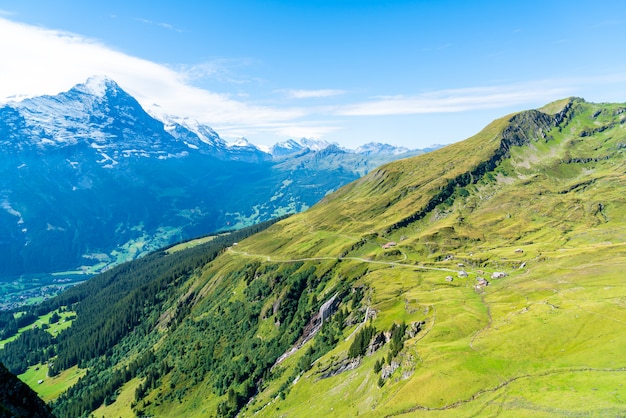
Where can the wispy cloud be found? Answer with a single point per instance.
(458, 100)
(311, 94)
(222, 70)
(160, 24)
(292, 129)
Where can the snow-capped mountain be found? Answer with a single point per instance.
(315, 144)
(289, 147)
(292, 147)
(242, 150)
(98, 114)
(101, 115)
(381, 149)
(89, 178)
(191, 132)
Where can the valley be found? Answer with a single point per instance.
(483, 278)
(89, 179)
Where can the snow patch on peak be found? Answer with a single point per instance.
(289, 147)
(96, 85)
(289, 144)
(315, 144)
(158, 113)
(382, 149)
(205, 133)
(239, 142)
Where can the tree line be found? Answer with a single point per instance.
(109, 306)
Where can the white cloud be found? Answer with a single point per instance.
(309, 94)
(460, 100)
(280, 129)
(40, 61)
(44, 61)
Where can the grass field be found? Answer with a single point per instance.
(190, 244)
(50, 387)
(122, 407)
(65, 321)
(527, 344)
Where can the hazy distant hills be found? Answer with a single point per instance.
(484, 278)
(88, 178)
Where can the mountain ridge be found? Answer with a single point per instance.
(453, 236)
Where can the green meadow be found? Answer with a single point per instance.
(50, 388)
(65, 319)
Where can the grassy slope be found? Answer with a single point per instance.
(122, 406)
(53, 329)
(51, 387)
(545, 340)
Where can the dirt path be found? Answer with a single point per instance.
(363, 260)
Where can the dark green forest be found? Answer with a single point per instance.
(126, 300)
(121, 314)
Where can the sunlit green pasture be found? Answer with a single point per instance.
(49, 388)
(64, 322)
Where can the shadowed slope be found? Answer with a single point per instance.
(18, 400)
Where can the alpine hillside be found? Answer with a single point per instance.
(89, 179)
(483, 278)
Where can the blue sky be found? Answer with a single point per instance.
(409, 73)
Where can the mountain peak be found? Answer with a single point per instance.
(379, 148)
(314, 144)
(97, 85)
(173, 124)
(289, 147)
(239, 142)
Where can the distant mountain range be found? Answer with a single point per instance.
(88, 178)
